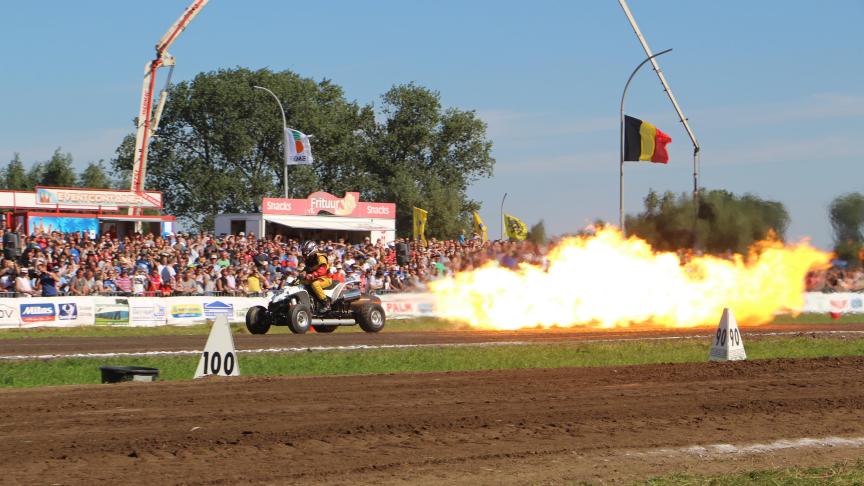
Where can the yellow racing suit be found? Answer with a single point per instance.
(316, 272)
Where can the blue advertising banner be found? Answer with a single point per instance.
(47, 224)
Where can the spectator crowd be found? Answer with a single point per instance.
(835, 279)
(49, 264)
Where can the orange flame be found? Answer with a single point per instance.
(607, 281)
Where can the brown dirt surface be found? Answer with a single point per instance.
(133, 344)
(549, 426)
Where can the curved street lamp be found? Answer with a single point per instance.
(621, 182)
(502, 215)
(284, 134)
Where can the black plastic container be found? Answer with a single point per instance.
(116, 374)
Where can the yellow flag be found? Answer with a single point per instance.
(479, 226)
(514, 228)
(420, 224)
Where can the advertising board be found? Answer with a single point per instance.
(349, 205)
(72, 196)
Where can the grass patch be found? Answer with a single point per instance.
(817, 318)
(32, 373)
(838, 474)
(420, 324)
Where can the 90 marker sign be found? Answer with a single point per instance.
(734, 337)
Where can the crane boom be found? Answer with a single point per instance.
(148, 122)
(662, 78)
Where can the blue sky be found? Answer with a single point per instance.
(773, 90)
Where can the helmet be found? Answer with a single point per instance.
(309, 247)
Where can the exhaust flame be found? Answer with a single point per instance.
(606, 281)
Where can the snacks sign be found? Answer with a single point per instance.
(317, 202)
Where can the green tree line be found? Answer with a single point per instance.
(219, 148)
(57, 172)
(731, 223)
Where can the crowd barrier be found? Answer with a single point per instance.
(74, 311)
(188, 310)
(841, 302)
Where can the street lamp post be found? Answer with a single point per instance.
(284, 134)
(502, 215)
(621, 167)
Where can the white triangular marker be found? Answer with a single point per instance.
(727, 344)
(219, 356)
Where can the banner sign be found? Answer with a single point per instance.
(40, 312)
(846, 302)
(215, 308)
(69, 196)
(63, 224)
(9, 314)
(111, 310)
(407, 305)
(156, 311)
(317, 202)
(75, 311)
(144, 311)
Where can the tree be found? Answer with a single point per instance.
(14, 177)
(219, 145)
(219, 148)
(35, 175)
(427, 157)
(847, 220)
(537, 234)
(58, 171)
(94, 176)
(725, 222)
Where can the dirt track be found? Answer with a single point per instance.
(70, 345)
(523, 426)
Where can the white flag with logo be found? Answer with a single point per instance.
(298, 150)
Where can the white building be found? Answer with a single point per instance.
(321, 216)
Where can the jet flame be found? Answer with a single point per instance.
(607, 281)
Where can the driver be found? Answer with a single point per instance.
(316, 273)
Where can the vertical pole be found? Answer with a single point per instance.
(285, 134)
(621, 173)
(502, 216)
(696, 196)
(285, 156)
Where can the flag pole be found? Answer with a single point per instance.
(502, 215)
(621, 133)
(681, 117)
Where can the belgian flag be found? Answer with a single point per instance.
(644, 141)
